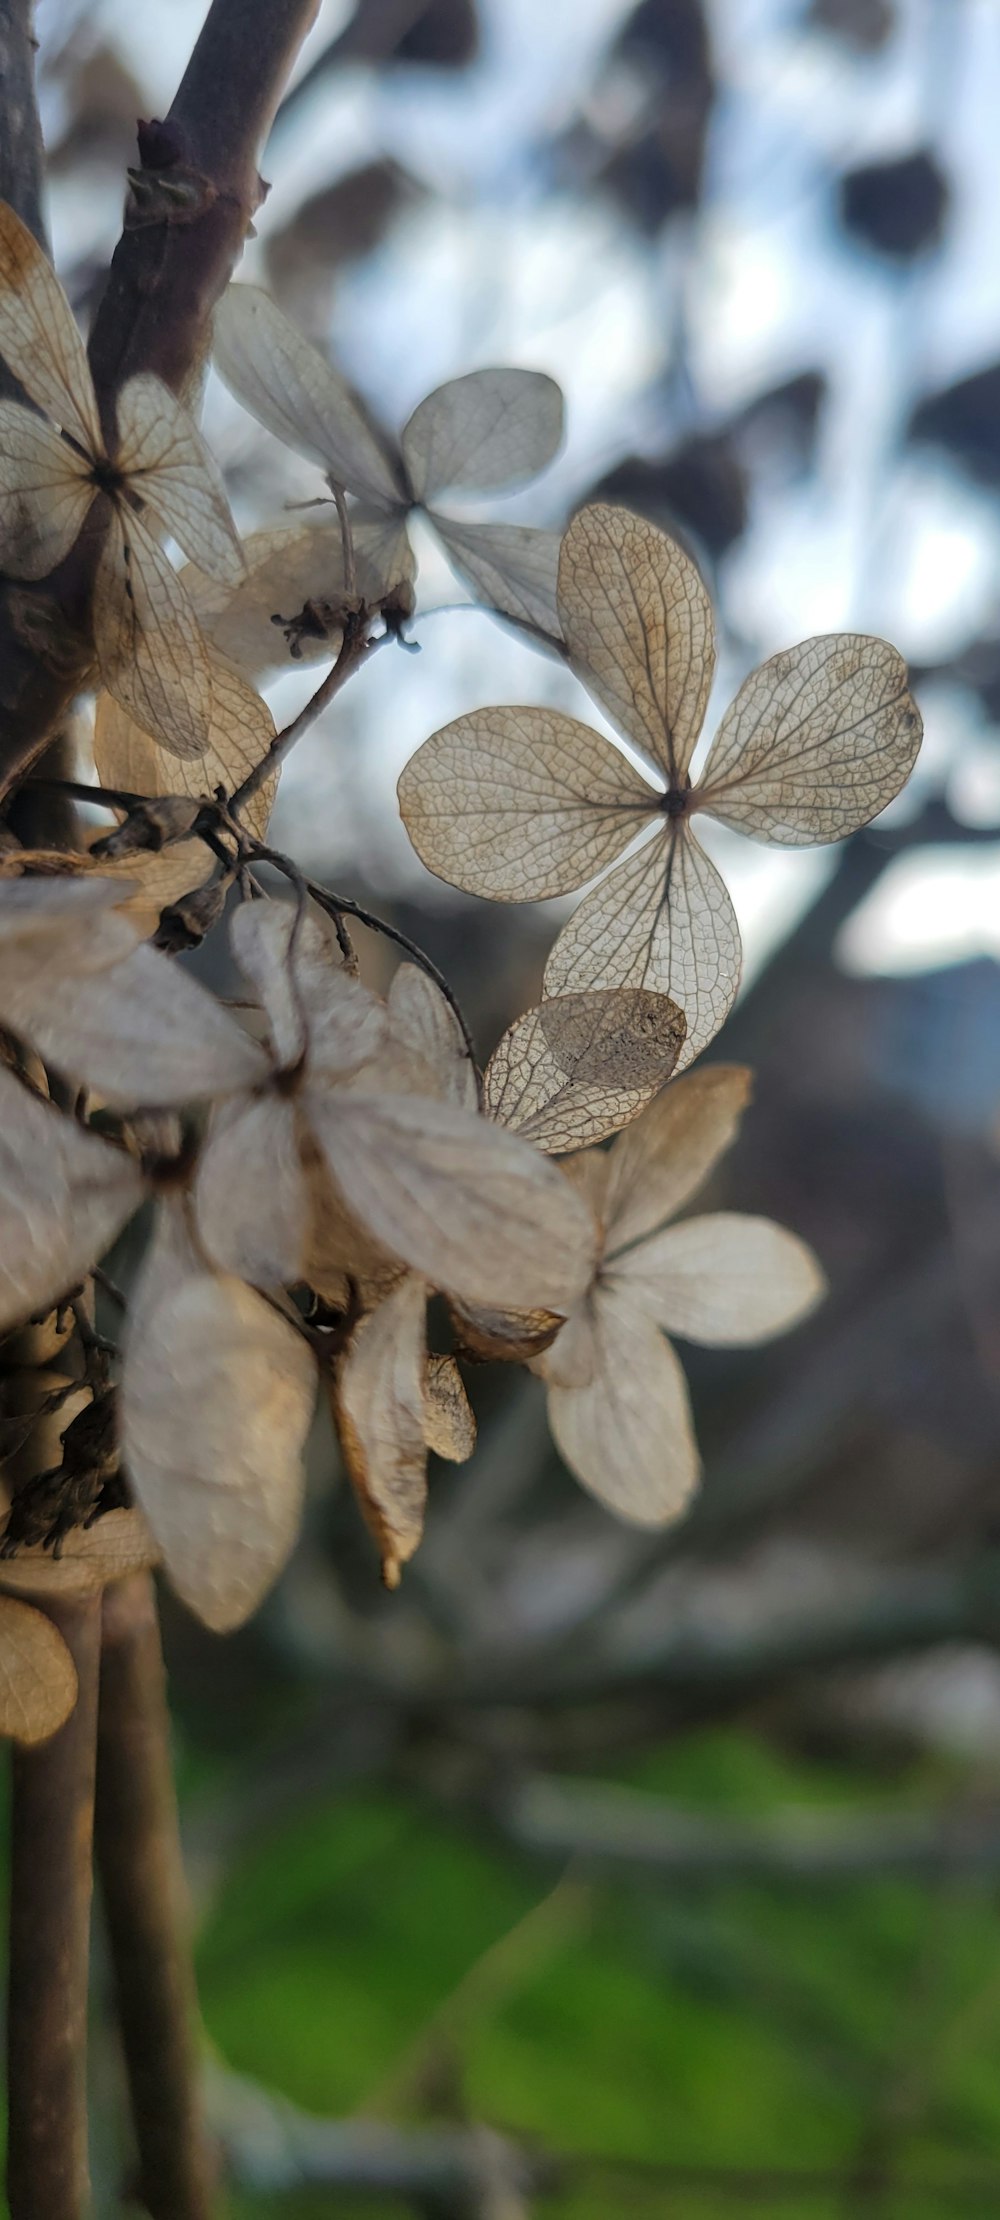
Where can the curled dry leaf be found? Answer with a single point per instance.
(64, 1197)
(37, 1674)
(449, 1424)
(148, 644)
(486, 431)
(422, 1020)
(217, 1401)
(520, 804)
(379, 1408)
(580, 1066)
(618, 1404)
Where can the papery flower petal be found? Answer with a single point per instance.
(638, 625)
(64, 1197)
(252, 1203)
(45, 493)
(661, 920)
(140, 1033)
(519, 804)
(72, 922)
(579, 1066)
(473, 1208)
(151, 653)
(449, 1423)
(725, 1279)
(289, 387)
(510, 567)
(422, 1020)
(38, 1686)
(379, 1409)
(38, 335)
(817, 741)
(90, 1558)
(666, 1156)
(217, 1401)
(162, 454)
(627, 1435)
(491, 428)
(312, 1005)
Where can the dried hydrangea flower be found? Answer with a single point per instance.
(52, 467)
(520, 804)
(617, 1399)
(481, 433)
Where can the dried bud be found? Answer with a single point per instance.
(151, 825)
(184, 924)
(504, 1336)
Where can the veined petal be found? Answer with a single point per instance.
(637, 622)
(38, 335)
(666, 1156)
(162, 454)
(312, 1006)
(477, 1211)
(38, 1685)
(217, 1401)
(628, 1435)
(519, 804)
(289, 387)
(817, 741)
(64, 1196)
(251, 1197)
(512, 568)
(662, 920)
(492, 428)
(380, 1416)
(287, 569)
(579, 1066)
(140, 1033)
(423, 1022)
(725, 1279)
(45, 493)
(240, 733)
(449, 1424)
(150, 650)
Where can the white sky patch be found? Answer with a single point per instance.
(931, 909)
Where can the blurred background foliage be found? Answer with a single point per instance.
(598, 1872)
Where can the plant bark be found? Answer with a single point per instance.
(146, 1910)
(50, 1887)
(193, 197)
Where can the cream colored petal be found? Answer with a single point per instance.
(380, 1417)
(492, 428)
(287, 568)
(589, 1172)
(664, 921)
(45, 493)
(64, 1197)
(298, 396)
(166, 461)
(37, 1674)
(637, 622)
(251, 1195)
(38, 334)
(296, 970)
(579, 1066)
(72, 922)
(817, 741)
(383, 558)
(666, 1156)
(572, 1356)
(140, 1034)
(510, 567)
(726, 1279)
(520, 803)
(217, 1401)
(449, 1423)
(423, 1022)
(482, 1215)
(151, 653)
(628, 1436)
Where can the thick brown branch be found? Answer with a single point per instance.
(191, 202)
(50, 1890)
(145, 1909)
(22, 155)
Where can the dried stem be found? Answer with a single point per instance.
(50, 1891)
(355, 648)
(22, 154)
(145, 1908)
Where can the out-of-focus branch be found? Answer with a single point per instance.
(192, 200)
(22, 155)
(50, 1892)
(623, 1829)
(146, 1912)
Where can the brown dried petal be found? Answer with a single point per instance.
(380, 1416)
(166, 461)
(45, 493)
(637, 623)
(37, 1674)
(666, 1156)
(64, 1196)
(580, 1066)
(38, 335)
(503, 1336)
(151, 653)
(449, 1422)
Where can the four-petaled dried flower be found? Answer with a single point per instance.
(520, 804)
(477, 434)
(52, 468)
(618, 1404)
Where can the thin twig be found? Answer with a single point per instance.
(355, 648)
(142, 1884)
(50, 1891)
